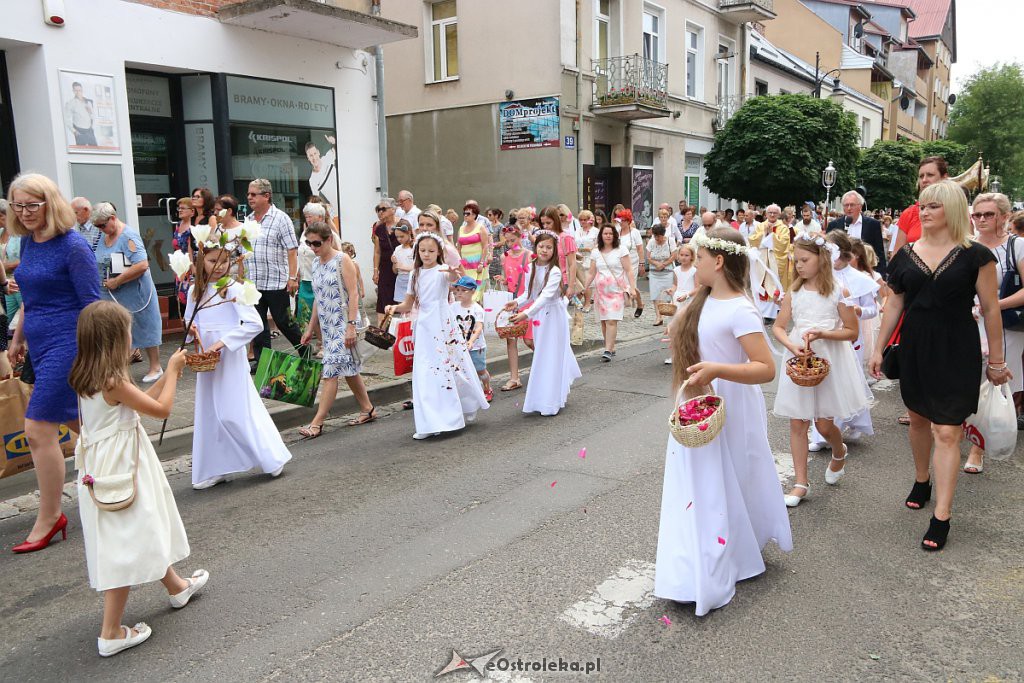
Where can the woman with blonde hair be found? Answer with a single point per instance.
(57, 278)
(934, 281)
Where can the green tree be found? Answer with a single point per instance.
(988, 118)
(888, 171)
(775, 148)
(956, 155)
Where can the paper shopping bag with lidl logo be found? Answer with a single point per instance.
(17, 457)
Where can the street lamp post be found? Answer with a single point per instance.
(828, 179)
(995, 184)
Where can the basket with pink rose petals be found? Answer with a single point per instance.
(697, 421)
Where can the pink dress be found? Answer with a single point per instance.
(566, 247)
(517, 275)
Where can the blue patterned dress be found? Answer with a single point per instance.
(58, 278)
(138, 296)
(332, 312)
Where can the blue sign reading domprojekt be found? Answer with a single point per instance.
(526, 124)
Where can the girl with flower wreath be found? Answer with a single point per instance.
(721, 503)
(233, 430)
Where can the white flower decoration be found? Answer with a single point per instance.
(222, 213)
(252, 230)
(179, 263)
(233, 233)
(249, 295)
(201, 233)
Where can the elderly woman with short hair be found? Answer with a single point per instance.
(126, 279)
(313, 212)
(57, 277)
(384, 244)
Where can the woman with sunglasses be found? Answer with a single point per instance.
(384, 243)
(474, 245)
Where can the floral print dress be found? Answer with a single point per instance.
(332, 309)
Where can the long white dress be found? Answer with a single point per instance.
(554, 366)
(445, 387)
(135, 545)
(764, 281)
(233, 430)
(843, 393)
(859, 289)
(721, 503)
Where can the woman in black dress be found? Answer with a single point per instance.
(934, 282)
(384, 243)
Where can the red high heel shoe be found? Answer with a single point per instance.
(31, 547)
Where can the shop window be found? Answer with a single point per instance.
(444, 41)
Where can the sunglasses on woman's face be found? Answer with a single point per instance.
(987, 215)
(381, 208)
(314, 244)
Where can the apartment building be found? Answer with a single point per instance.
(588, 102)
(138, 102)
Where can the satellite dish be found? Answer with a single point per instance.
(952, 99)
(858, 30)
(904, 103)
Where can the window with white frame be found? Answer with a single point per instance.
(653, 39)
(723, 65)
(444, 41)
(694, 61)
(602, 28)
(865, 131)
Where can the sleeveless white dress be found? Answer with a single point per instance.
(135, 545)
(844, 392)
(721, 503)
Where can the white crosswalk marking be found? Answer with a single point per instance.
(616, 602)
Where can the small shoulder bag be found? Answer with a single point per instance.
(111, 492)
(1013, 318)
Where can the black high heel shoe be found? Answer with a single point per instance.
(937, 532)
(919, 495)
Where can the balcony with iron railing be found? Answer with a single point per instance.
(742, 11)
(727, 107)
(630, 87)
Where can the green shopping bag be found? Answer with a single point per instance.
(288, 378)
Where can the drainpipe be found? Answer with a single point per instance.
(579, 106)
(382, 129)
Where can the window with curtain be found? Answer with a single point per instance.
(444, 32)
(694, 62)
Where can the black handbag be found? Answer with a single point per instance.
(1013, 318)
(891, 354)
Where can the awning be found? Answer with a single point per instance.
(319, 21)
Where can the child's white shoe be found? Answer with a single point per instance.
(276, 473)
(136, 635)
(209, 483)
(195, 584)
(833, 477)
(420, 437)
(793, 501)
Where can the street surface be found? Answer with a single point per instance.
(374, 556)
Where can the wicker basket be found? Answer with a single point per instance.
(379, 336)
(807, 371)
(202, 361)
(666, 309)
(511, 330)
(696, 434)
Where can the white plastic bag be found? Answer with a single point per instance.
(494, 302)
(994, 427)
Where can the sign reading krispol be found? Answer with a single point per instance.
(526, 124)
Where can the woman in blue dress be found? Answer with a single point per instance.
(57, 279)
(124, 268)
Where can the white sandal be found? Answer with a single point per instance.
(793, 501)
(195, 584)
(833, 477)
(135, 635)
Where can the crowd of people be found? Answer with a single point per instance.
(848, 289)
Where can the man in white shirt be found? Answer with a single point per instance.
(807, 223)
(748, 223)
(83, 210)
(678, 215)
(407, 209)
(323, 179)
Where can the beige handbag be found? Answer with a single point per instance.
(111, 492)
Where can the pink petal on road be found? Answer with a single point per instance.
(665, 620)
(583, 452)
(553, 484)
(689, 505)
(536, 323)
(488, 310)
(721, 541)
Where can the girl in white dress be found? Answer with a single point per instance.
(685, 284)
(446, 391)
(554, 367)
(140, 543)
(721, 503)
(814, 305)
(233, 430)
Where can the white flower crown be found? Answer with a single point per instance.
(818, 240)
(432, 235)
(701, 239)
(546, 232)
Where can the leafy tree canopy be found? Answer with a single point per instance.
(776, 146)
(988, 118)
(888, 169)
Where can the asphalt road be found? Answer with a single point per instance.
(374, 556)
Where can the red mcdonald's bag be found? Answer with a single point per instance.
(402, 350)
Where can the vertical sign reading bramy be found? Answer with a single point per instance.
(527, 124)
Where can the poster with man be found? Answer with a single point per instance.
(90, 116)
(323, 178)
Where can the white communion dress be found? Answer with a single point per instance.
(445, 386)
(135, 545)
(721, 503)
(233, 430)
(554, 366)
(844, 392)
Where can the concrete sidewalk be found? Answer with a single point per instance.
(384, 387)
